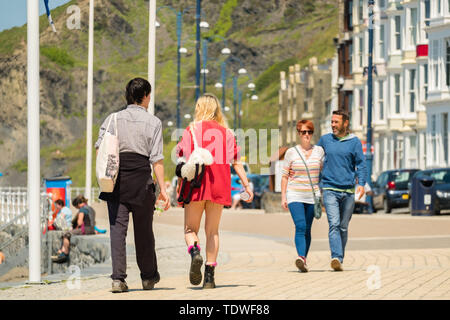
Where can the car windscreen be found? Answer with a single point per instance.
(401, 178)
(441, 176)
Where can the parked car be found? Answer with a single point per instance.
(391, 189)
(442, 187)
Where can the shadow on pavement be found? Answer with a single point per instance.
(226, 286)
(140, 290)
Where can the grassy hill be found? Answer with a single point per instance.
(267, 36)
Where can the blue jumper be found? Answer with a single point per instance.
(344, 160)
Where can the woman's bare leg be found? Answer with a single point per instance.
(192, 217)
(213, 215)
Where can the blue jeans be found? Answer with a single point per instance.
(339, 207)
(303, 215)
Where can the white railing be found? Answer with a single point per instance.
(74, 191)
(11, 203)
(14, 203)
(13, 189)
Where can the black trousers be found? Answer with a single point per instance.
(143, 237)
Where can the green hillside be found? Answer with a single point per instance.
(266, 36)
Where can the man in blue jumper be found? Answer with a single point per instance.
(344, 160)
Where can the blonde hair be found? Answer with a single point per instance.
(208, 108)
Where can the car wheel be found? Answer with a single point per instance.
(387, 206)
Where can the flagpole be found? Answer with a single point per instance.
(34, 174)
(90, 81)
(152, 53)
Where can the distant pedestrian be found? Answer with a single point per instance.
(344, 160)
(2, 257)
(214, 192)
(296, 189)
(140, 145)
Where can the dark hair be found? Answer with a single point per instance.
(60, 202)
(137, 89)
(79, 200)
(342, 113)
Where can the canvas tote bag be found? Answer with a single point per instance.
(107, 165)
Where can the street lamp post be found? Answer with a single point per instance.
(240, 107)
(234, 99)
(205, 55)
(369, 155)
(179, 26)
(197, 49)
(179, 15)
(224, 81)
(152, 53)
(251, 87)
(225, 51)
(224, 74)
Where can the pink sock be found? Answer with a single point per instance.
(213, 264)
(190, 248)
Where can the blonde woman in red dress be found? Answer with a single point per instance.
(212, 133)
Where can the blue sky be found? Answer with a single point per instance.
(13, 13)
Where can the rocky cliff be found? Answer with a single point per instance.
(266, 35)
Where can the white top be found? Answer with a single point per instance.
(299, 186)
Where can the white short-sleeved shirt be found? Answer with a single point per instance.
(299, 185)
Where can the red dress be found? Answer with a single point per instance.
(216, 184)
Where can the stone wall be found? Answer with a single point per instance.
(84, 251)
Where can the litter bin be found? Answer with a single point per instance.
(59, 188)
(422, 196)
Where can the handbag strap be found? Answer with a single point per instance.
(114, 115)
(115, 124)
(193, 137)
(307, 171)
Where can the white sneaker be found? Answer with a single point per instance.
(336, 264)
(300, 263)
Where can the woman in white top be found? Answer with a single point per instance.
(296, 190)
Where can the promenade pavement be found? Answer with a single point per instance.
(388, 257)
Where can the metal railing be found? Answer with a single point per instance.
(74, 191)
(10, 215)
(13, 205)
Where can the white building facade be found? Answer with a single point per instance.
(437, 28)
(411, 97)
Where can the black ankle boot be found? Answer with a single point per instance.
(208, 282)
(195, 273)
